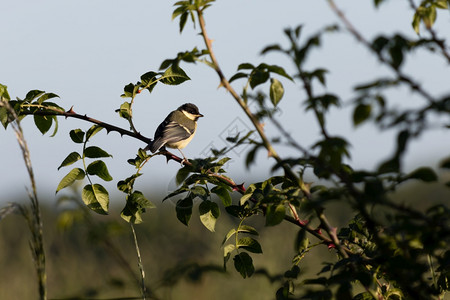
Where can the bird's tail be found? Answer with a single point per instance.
(154, 145)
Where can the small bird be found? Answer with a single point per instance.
(177, 130)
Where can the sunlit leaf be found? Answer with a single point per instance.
(276, 91)
(99, 168)
(77, 135)
(70, 159)
(95, 152)
(96, 197)
(209, 212)
(70, 178)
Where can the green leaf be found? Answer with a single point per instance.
(3, 115)
(93, 131)
(182, 174)
(174, 75)
(95, 152)
(184, 210)
(237, 76)
(247, 229)
(96, 197)
(223, 194)
(77, 135)
(135, 207)
(125, 110)
(209, 212)
(275, 214)
(244, 264)
(129, 91)
(99, 168)
(246, 66)
(258, 77)
(70, 159)
(276, 91)
(45, 97)
(149, 80)
(4, 95)
(416, 23)
(33, 94)
(229, 234)
(43, 123)
(126, 185)
(278, 70)
(424, 173)
(361, 113)
(70, 178)
(302, 241)
(249, 244)
(227, 254)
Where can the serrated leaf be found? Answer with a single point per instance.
(249, 244)
(96, 197)
(70, 159)
(174, 75)
(77, 135)
(43, 123)
(276, 91)
(223, 194)
(424, 173)
(184, 210)
(95, 152)
(275, 214)
(247, 229)
(244, 264)
(99, 168)
(135, 207)
(70, 178)
(209, 212)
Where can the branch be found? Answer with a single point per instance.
(288, 171)
(401, 76)
(52, 111)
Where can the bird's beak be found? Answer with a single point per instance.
(200, 115)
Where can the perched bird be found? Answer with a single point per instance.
(177, 130)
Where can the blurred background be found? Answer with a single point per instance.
(87, 51)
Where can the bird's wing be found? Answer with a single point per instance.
(169, 132)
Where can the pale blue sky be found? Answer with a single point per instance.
(87, 51)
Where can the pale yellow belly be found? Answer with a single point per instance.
(180, 144)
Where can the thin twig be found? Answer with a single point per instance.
(434, 37)
(259, 128)
(404, 78)
(141, 267)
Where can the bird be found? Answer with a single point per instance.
(177, 129)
